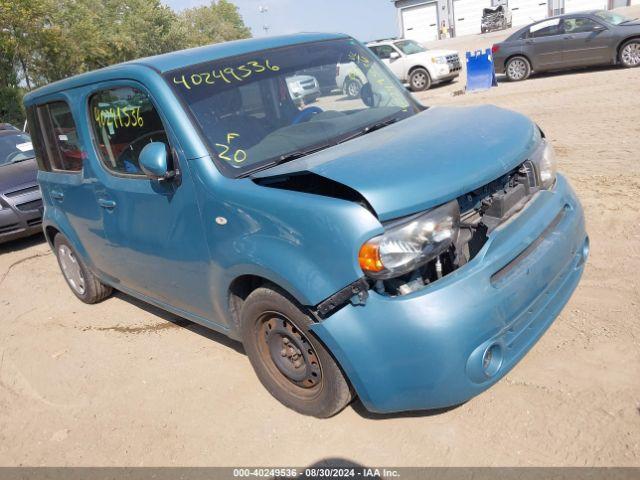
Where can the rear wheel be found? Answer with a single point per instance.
(82, 282)
(518, 68)
(289, 361)
(630, 54)
(352, 88)
(419, 80)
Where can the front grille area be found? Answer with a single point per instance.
(23, 191)
(454, 62)
(34, 205)
(34, 222)
(308, 84)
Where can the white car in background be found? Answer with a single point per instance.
(349, 79)
(415, 65)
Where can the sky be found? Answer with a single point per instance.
(363, 19)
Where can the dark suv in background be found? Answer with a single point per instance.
(577, 40)
(20, 199)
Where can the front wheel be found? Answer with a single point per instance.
(81, 280)
(518, 68)
(630, 54)
(419, 80)
(289, 361)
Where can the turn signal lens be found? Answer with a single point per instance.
(369, 258)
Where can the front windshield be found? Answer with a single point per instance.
(611, 17)
(15, 148)
(409, 47)
(271, 106)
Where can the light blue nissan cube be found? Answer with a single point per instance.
(357, 245)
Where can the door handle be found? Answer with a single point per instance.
(108, 204)
(568, 37)
(57, 195)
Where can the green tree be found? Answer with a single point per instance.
(218, 22)
(46, 40)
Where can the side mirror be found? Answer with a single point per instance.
(153, 161)
(394, 56)
(599, 28)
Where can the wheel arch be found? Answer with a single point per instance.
(50, 233)
(243, 284)
(416, 67)
(238, 291)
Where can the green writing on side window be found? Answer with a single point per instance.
(226, 75)
(119, 117)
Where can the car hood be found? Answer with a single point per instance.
(429, 54)
(17, 175)
(425, 160)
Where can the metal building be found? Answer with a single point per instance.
(427, 20)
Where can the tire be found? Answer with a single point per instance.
(81, 280)
(290, 362)
(630, 54)
(517, 69)
(352, 88)
(419, 80)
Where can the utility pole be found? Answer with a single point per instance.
(264, 9)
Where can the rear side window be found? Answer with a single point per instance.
(545, 29)
(62, 148)
(124, 121)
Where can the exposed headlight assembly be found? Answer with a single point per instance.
(411, 242)
(545, 160)
(439, 60)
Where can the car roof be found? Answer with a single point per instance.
(9, 133)
(182, 58)
(383, 41)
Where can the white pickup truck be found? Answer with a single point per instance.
(415, 65)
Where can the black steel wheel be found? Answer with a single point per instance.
(289, 361)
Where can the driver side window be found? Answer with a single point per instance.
(383, 51)
(124, 121)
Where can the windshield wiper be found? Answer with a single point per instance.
(370, 128)
(287, 157)
(22, 160)
(302, 153)
(627, 21)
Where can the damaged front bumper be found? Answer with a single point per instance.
(453, 339)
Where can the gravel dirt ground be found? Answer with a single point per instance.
(123, 383)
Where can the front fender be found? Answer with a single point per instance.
(305, 243)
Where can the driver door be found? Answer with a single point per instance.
(157, 242)
(397, 65)
(587, 42)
